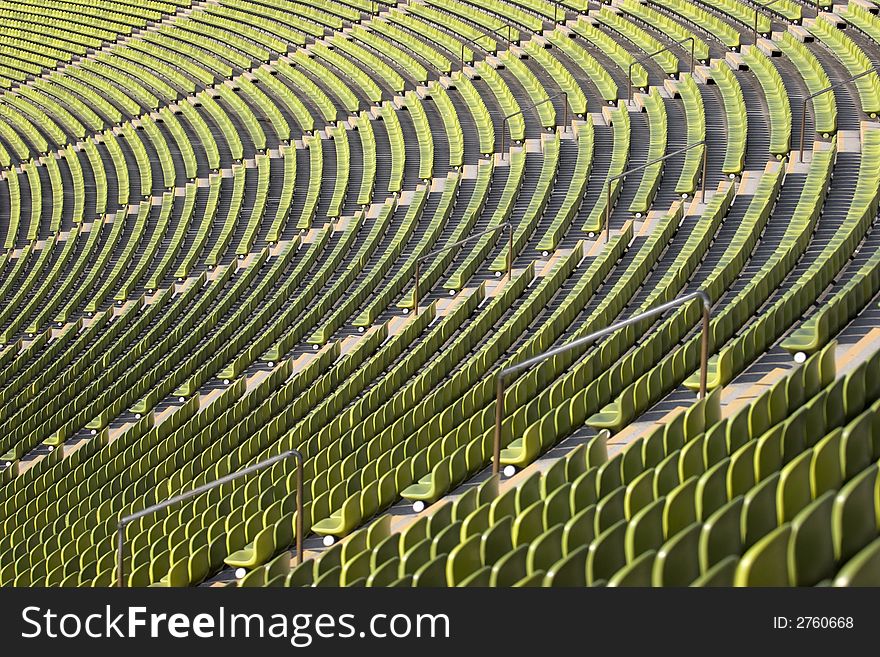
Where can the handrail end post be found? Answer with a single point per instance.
(704, 344)
(499, 416)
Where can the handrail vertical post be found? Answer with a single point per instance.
(629, 82)
(522, 111)
(645, 166)
(704, 350)
(564, 112)
(510, 251)
(873, 69)
(705, 172)
(120, 531)
(300, 521)
(511, 372)
(803, 129)
(416, 287)
(499, 417)
(693, 44)
(125, 521)
(607, 211)
(418, 268)
(762, 6)
(652, 55)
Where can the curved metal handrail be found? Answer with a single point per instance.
(418, 268)
(125, 521)
(508, 374)
(834, 86)
(608, 182)
(760, 6)
(497, 32)
(532, 106)
(645, 58)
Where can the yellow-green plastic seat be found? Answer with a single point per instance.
(863, 569)
(765, 563)
(636, 572)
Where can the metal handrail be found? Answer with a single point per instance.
(645, 58)
(608, 182)
(496, 32)
(515, 370)
(532, 106)
(124, 522)
(471, 238)
(874, 69)
(760, 6)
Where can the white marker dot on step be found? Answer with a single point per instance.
(509, 471)
(418, 506)
(800, 357)
(328, 540)
(240, 572)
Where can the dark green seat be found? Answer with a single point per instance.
(385, 574)
(863, 569)
(463, 561)
(811, 547)
(680, 509)
(741, 473)
(545, 550)
(636, 572)
(721, 536)
(496, 542)
(711, 493)
(583, 491)
(794, 492)
(721, 574)
(510, 568)
(856, 445)
(571, 570)
(529, 524)
(610, 510)
(557, 507)
(854, 516)
(480, 579)
(759, 511)
(765, 563)
(768, 453)
(431, 574)
(645, 530)
(579, 531)
(826, 473)
(446, 539)
(639, 493)
(607, 553)
(416, 557)
(678, 562)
